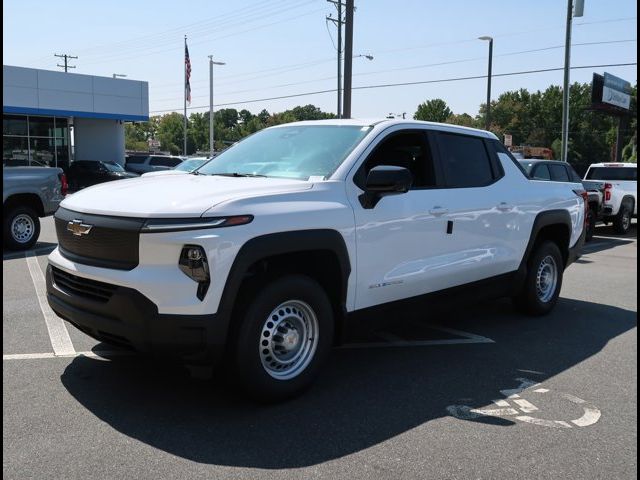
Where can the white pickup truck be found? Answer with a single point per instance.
(618, 185)
(263, 256)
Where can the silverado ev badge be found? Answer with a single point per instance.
(78, 228)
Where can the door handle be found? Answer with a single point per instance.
(438, 211)
(504, 207)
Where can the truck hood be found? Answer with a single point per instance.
(173, 196)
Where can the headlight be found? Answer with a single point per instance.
(179, 224)
(193, 263)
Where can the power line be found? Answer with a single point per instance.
(167, 36)
(155, 50)
(422, 82)
(405, 68)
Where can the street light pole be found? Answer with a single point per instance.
(211, 143)
(487, 123)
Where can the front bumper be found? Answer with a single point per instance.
(128, 318)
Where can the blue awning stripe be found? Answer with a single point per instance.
(73, 113)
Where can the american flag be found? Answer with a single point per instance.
(187, 77)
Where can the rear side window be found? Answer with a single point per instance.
(164, 161)
(558, 173)
(465, 161)
(136, 159)
(613, 173)
(573, 175)
(541, 172)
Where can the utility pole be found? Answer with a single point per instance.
(567, 66)
(348, 59)
(339, 22)
(66, 60)
(211, 140)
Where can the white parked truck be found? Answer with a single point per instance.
(263, 256)
(618, 186)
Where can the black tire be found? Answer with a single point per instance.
(530, 301)
(591, 225)
(622, 221)
(25, 237)
(248, 357)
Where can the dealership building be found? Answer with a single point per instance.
(53, 118)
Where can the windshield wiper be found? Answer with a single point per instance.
(236, 174)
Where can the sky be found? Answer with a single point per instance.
(279, 48)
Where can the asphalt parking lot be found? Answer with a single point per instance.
(479, 392)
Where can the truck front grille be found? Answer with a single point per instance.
(106, 241)
(82, 287)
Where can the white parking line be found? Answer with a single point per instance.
(58, 334)
(40, 356)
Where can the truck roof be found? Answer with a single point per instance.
(390, 122)
(614, 164)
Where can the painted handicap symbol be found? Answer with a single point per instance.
(513, 406)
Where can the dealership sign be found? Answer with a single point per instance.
(616, 91)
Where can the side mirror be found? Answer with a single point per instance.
(385, 180)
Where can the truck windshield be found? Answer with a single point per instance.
(613, 173)
(297, 152)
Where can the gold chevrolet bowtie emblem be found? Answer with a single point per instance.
(78, 228)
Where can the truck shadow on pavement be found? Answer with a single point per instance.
(363, 397)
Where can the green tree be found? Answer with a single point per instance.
(463, 119)
(435, 110)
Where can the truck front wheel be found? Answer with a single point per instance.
(285, 334)
(21, 228)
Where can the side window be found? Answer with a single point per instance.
(558, 173)
(405, 149)
(541, 172)
(464, 160)
(573, 175)
(161, 161)
(173, 162)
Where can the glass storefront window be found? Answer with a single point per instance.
(15, 152)
(41, 126)
(35, 141)
(62, 152)
(62, 128)
(43, 152)
(14, 125)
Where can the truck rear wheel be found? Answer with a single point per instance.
(542, 285)
(622, 221)
(21, 228)
(286, 333)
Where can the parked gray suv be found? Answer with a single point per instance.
(150, 163)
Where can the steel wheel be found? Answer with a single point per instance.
(546, 279)
(23, 228)
(289, 339)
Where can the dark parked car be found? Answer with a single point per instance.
(557, 171)
(84, 173)
(552, 170)
(151, 163)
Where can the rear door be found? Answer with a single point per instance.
(480, 207)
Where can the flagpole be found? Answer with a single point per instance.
(184, 150)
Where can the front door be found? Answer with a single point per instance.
(400, 236)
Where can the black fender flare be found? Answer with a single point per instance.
(543, 219)
(265, 246)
